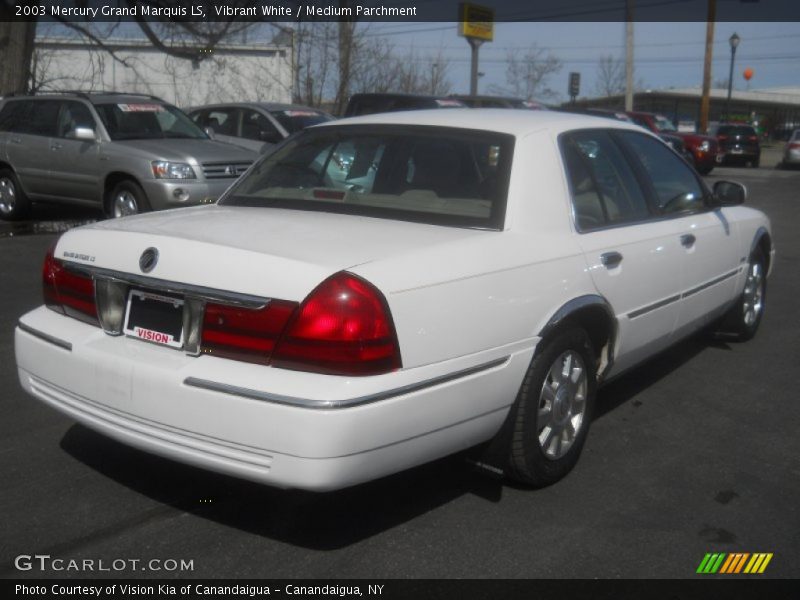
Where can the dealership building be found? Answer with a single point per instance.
(775, 111)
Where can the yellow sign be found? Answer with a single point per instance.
(476, 21)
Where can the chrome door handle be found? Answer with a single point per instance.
(16, 140)
(55, 146)
(610, 259)
(688, 240)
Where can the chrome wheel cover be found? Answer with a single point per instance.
(562, 405)
(124, 204)
(8, 196)
(753, 295)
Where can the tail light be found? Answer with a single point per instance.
(242, 333)
(752, 138)
(68, 292)
(343, 327)
(722, 138)
(794, 146)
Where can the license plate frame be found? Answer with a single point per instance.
(157, 318)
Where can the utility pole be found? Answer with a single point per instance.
(629, 55)
(706, 99)
(475, 44)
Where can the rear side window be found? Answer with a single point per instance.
(13, 115)
(604, 188)
(40, 118)
(74, 115)
(675, 186)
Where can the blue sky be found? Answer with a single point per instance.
(666, 54)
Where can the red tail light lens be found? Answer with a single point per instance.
(752, 138)
(722, 138)
(242, 333)
(343, 327)
(68, 292)
(794, 146)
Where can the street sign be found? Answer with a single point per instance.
(574, 85)
(476, 22)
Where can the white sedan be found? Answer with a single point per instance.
(382, 291)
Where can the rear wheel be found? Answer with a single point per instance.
(14, 204)
(127, 198)
(553, 410)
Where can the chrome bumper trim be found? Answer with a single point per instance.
(348, 403)
(44, 336)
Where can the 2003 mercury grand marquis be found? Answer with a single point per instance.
(385, 290)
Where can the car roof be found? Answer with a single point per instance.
(513, 122)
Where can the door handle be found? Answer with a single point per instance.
(55, 146)
(16, 140)
(688, 240)
(610, 259)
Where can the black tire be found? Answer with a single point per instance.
(127, 198)
(529, 462)
(745, 315)
(14, 204)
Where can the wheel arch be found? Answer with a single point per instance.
(762, 241)
(592, 313)
(112, 179)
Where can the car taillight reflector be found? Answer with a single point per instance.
(343, 327)
(68, 292)
(244, 333)
(722, 138)
(794, 146)
(752, 138)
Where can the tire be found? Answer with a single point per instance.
(543, 416)
(745, 315)
(127, 198)
(14, 204)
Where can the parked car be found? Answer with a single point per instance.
(704, 148)
(497, 102)
(791, 153)
(123, 153)
(492, 268)
(256, 126)
(738, 142)
(368, 104)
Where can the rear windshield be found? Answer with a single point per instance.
(295, 120)
(147, 120)
(435, 175)
(735, 130)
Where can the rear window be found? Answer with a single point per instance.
(735, 130)
(435, 175)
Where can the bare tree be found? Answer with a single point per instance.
(16, 49)
(610, 76)
(528, 72)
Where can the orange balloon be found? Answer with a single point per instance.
(748, 74)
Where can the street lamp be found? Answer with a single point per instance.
(734, 42)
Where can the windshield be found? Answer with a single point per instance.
(147, 120)
(664, 124)
(295, 120)
(433, 175)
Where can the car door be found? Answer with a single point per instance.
(224, 122)
(259, 133)
(74, 163)
(28, 146)
(708, 241)
(633, 258)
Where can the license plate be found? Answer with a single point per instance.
(737, 150)
(154, 318)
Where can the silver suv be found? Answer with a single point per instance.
(125, 153)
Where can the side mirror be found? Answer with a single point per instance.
(209, 132)
(730, 193)
(85, 134)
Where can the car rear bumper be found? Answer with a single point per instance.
(176, 193)
(274, 426)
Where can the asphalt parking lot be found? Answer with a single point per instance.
(695, 452)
